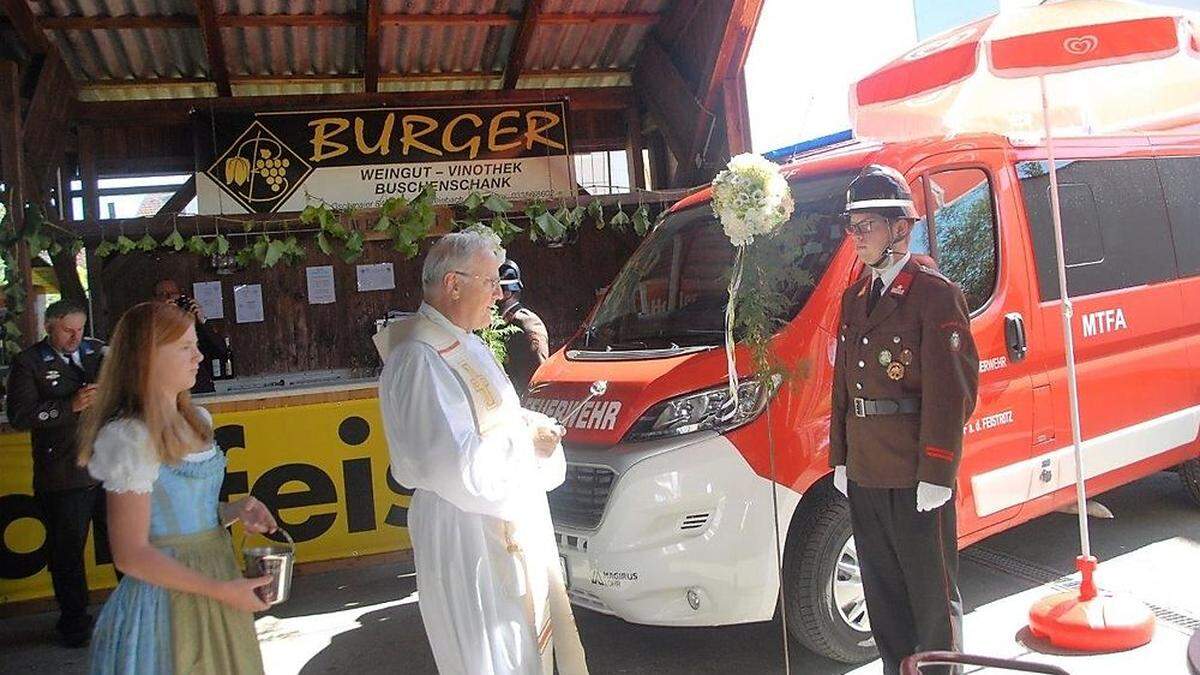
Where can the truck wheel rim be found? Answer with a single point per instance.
(848, 596)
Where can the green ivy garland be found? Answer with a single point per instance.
(406, 221)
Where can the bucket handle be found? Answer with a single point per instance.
(291, 544)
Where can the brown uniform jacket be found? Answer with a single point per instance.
(527, 349)
(916, 344)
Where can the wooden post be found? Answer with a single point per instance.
(87, 173)
(12, 154)
(633, 147)
(737, 115)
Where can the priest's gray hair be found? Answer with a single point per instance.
(456, 250)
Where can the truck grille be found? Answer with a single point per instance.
(579, 502)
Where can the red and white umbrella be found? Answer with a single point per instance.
(1109, 66)
(1072, 67)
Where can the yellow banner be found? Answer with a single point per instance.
(322, 469)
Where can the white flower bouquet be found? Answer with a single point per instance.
(750, 198)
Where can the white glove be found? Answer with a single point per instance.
(930, 496)
(839, 479)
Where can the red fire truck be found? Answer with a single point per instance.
(670, 508)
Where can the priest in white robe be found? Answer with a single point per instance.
(489, 583)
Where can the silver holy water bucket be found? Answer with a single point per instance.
(275, 560)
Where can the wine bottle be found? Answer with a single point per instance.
(228, 358)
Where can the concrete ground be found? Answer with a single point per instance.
(367, 620)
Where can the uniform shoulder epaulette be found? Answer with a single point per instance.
(934, 273)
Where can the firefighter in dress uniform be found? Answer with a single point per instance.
(530, 347)
(904, 384)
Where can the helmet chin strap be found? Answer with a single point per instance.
(889, 253)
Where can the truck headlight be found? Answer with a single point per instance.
(708, 410)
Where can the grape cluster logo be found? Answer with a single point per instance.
(259, 170)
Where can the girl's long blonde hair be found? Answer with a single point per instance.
(125, 386)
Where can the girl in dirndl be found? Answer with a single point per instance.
(182, 606)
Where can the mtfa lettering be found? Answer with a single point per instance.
(1104, 321)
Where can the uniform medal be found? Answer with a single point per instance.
(906, 357)
(895, 370)
(885, 357)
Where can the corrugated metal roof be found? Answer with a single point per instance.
(292, 59)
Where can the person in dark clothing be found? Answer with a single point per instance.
(211, 347)
(529, 347)
(49, 386)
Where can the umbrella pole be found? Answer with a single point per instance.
(1068, 311)
(1083, 620)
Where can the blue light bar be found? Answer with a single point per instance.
(784, 154)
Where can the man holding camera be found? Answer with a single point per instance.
(167, 290)
(49, 387)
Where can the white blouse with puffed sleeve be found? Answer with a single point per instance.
(122, 457)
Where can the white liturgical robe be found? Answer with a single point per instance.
(479, 520)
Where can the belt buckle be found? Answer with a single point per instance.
(860, 407)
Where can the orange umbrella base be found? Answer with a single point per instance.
(1105, 623)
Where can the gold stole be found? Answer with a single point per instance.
(490, 412)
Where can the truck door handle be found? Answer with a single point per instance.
(1014, 337)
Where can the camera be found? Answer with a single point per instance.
(184, 302)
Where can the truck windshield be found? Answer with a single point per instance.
(673, 290)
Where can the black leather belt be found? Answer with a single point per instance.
(865, 407)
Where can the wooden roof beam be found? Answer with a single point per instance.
(218, 69)
(447, 76)
(130, 21)
(735, 46)
(516, 57)
(23, 21)
(175, 111)
(371, 46)
(47, 119)
(125, 22)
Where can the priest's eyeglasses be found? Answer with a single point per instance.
(494, 282)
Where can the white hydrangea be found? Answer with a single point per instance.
(750, 198)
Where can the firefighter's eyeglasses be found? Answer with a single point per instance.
(863, 227)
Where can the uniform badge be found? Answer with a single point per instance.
(895, 371)
(885, 357)
(52, 375)
(955, 341)
(896, 339)
(906, 357)
(901, 284)
(43, 416)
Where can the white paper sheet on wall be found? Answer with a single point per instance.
(208, 296)
(321, 288)
(377, 277)
(248, 303)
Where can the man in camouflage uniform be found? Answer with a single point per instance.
(905, 380)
